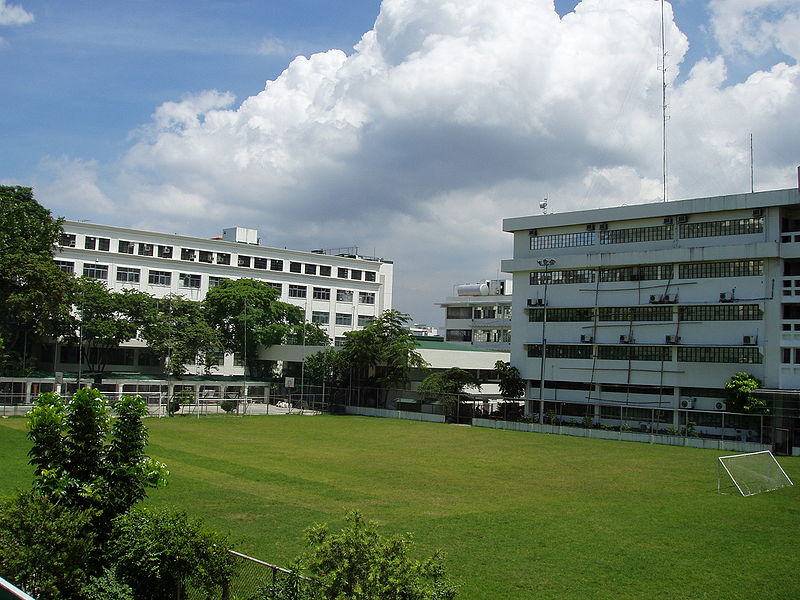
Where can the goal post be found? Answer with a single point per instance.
(750, 473)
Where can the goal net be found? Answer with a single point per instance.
(750, 473)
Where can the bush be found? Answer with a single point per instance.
(46, 549)
(161, 554)
(228, 405)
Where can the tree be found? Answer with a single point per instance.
(511, 384)
(176, 331)
(84, 458)
(34, 292)
(249, 316)
(384, 352)
(358, 563)
(449, 383)
(739, 394)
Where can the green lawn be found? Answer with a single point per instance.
(520, 515)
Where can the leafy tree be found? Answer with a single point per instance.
(44, 546)
(86, 459)
(249, 316)
(162, 554)
(327, 367)
(739, 394)
(511, 384)
(448, 384)
(358, 563)
(34, 292)
(176, 331)
(384, 352)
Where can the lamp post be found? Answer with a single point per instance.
(546, 263)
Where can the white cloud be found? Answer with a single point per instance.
(272, 46)
(14, 14)
(757, 26)
(71, 187)
(447, 118)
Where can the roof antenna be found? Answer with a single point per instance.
(752, 186)
(664, 116)
(543, 205)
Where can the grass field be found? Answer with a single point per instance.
(520, 515)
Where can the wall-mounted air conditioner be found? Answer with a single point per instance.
(720, 406)
(672, 339)
(667, 220)
(758, 212)
(590, 227)
(687, 403)
(726, 296)
(749, 340)
(683, 218)
(626, 339)
(669, 298)
(586, 339)
(533, 232)
(603, 226)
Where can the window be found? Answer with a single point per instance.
(165, 251)
(159, 278)
(95, 271)
(356, 274)
(727, 227)
(342, 273)
(275, 265)
(733, 268)
(570, 276)
(344, 319)
(90, 243)
(295, 267)
(625, 352)
(145, 249)
(276, 286)
(344, 296)
(244, 261)
(215, 281)
(297, 291)
(369, 275)
(325, 270)
(260, 263)
(238, 360)
(128, 275)
(322, 293)
(364, 320)
(125, 247)
(68, 240)
(716, 354)
(103, 244)
(189, 280)
(459, 312)
(485, 312)
(66, 266)
(311, 269)
(560, 351)
(223, 258)
(206, 256)
(564, 315)
(322, 318)
(366, 297)
(638, 273)
(458, 335)
(188, 254)
(726, 312)
(338, 342)
(562, 240)
(636, 234)
(634, 313)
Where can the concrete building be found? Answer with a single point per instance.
(479, 315)
(339, 290)
(657, 305)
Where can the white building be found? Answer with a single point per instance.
(657, 305)
(479, 315)
(340, 292)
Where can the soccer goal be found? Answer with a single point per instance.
(750, 473)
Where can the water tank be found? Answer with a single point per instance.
(473, 289)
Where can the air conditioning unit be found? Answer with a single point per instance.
(720, 406)
(625, 339)
(654, 299)
(726, 296)
(687, 403)
(667, 220)
(758, 212)
(749, 340)
(669, 298)
(533, 232)
(586, 339)
(672, 339)
(683, 218)
(603, 226)
(590, 227)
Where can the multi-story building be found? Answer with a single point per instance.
(657, 305)
(480, 315)
(340, 291)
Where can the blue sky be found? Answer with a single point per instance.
(415, 144)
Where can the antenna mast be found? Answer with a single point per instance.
(663, 105)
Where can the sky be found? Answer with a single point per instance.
(408, 128)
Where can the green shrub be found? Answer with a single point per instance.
(228, 405)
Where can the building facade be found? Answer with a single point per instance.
(479, 315)
(657, 305)
(340, 291)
